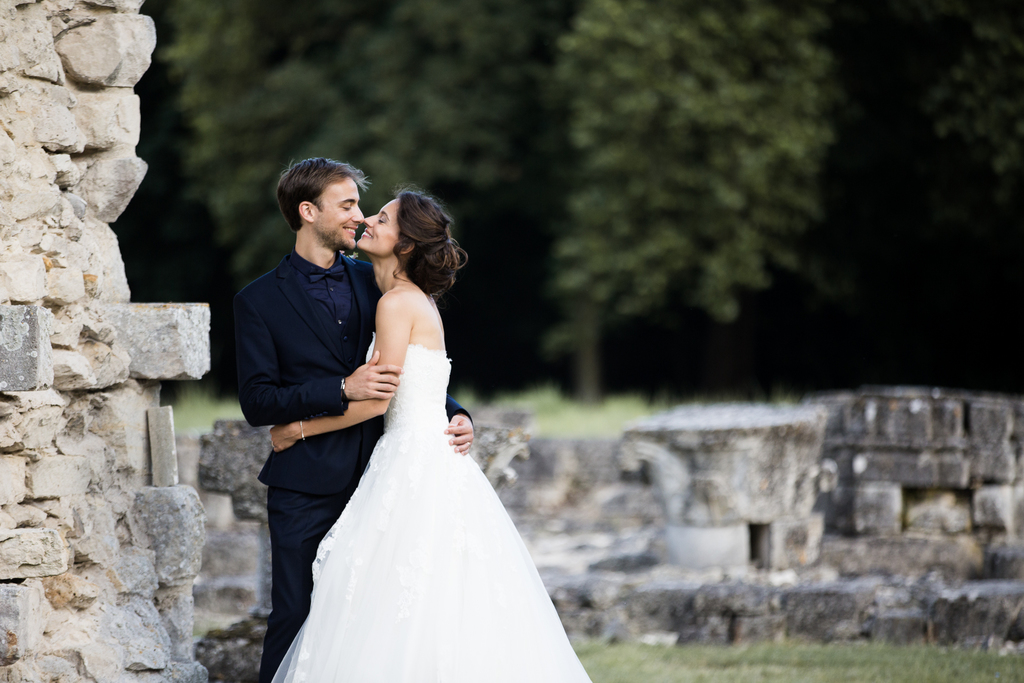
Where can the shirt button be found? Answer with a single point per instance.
(345, 338)
(332, 289)
(339, 322)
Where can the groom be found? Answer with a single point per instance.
(302, 332)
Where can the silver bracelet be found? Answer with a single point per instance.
(301, 431)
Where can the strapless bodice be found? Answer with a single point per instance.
(421, 395)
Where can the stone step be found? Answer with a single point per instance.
(952, 557)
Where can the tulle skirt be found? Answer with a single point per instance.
(424, 579)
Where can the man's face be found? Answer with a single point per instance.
(335, 221)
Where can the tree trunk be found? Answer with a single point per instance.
(729, 353)
(587, 357)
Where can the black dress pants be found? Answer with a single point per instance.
(298, 522)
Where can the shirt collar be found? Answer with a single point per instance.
(306, 268)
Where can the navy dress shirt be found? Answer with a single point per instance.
(330, 288)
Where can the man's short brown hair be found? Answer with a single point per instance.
(306, 180)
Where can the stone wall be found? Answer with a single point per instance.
(929, 480)
(96, 563)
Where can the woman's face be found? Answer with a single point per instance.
(381, 234)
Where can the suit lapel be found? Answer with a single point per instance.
(305, 306)
(361, 296)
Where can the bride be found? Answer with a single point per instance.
(423, 578)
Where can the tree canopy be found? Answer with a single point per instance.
(833, 185)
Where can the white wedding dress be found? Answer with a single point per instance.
(424, 578)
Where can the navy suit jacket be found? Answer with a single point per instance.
(290, 364)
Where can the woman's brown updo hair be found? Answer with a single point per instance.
(425, 248)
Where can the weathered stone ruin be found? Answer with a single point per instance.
(597, 516)
(738, 482)
(98, 545)
(929, 481)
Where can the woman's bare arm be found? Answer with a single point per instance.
(394, 329)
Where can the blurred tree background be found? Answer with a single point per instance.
(659, 195)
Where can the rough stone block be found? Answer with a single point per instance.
(94, 538)
(175, 606)
(861, 418)
(834, 403)
(231, 552)
(993, 507)
(662, 606)
(976, 611)
(705, 547)
(55, 128)
(729, 465)
(68, 590)
(878, 508)
(109, 362)
(1005, 562)
(494, 448)
(937, 512)
(121, 422)
(948, 421)
(165, 341)
(27, 553)
(24, 277)
(990, 424)
(264, 574)
(139, 630)
(25, 516)
(162, 448)
(230, 459)
(108, 119)
(233, 654)
(838, 507)
(829, 611)
(30, 419)
(734, 599)
(115, 49)
(64, 286)
(72, 370)
(795, 542)
(40, 205)
(21, 621)
(906, 420)
(175, 523)
(109, 184)
(919, 469)
(952, 557)
(12, 480)
(134, 573)
(187, 672)
(59, 475)
(899, 627)
(34, 39)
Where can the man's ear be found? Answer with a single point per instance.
(307, 211)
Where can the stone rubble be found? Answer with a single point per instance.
(96, 565)
(592, 519)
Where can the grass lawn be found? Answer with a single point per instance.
(557, 415)
(196, 408)
(632, 663)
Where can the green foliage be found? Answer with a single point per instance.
(980, 97)
(702, 127)
(443, 94)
